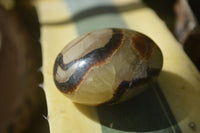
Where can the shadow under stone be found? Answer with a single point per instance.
(146, 112)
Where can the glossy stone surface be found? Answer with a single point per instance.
(107, 66)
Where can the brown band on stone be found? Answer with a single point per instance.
(125, 85)
(143, 44)
(94, 58)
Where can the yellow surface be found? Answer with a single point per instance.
(179, 80)
(63, 115)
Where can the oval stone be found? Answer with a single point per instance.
(107, 66)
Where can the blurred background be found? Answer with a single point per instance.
(22, 100)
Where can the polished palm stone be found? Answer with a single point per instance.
(107, 66)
